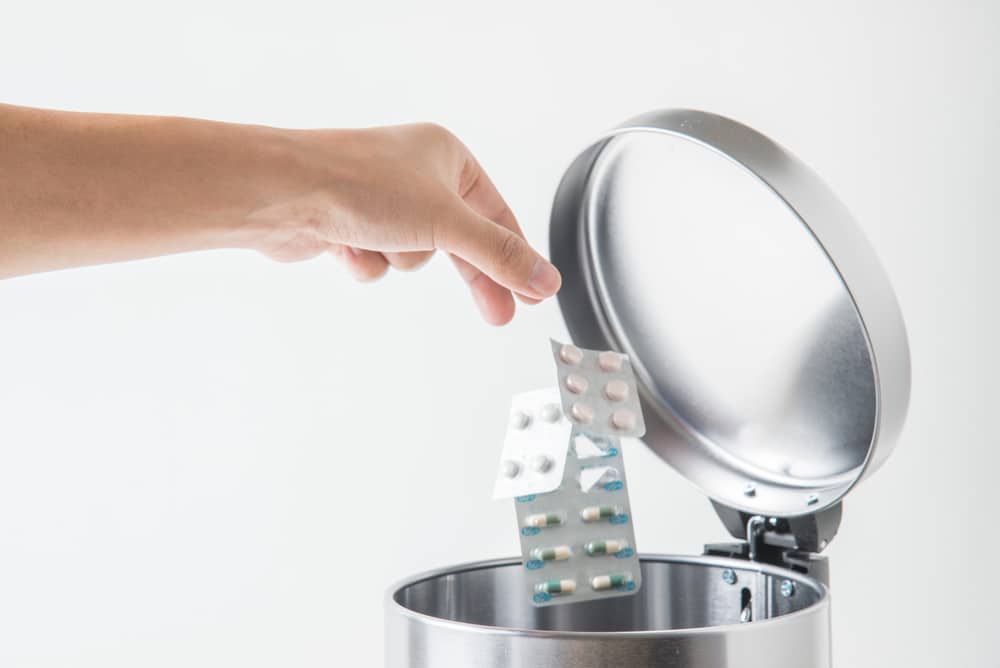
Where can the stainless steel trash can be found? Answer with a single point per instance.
(687, 613)
(773, 369)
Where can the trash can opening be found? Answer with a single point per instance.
(678, 593)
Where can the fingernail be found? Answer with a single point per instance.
(356, 251)
(545, 279)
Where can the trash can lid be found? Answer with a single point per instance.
(768, 343)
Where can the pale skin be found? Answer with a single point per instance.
(81, 189)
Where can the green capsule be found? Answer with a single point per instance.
(597, 513)
(557, 553)
(610, 581)
(598, 547)
(556, 586)
(543, 520)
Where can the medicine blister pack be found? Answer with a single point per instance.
(534, 450)
(578, 542)
(598, 390)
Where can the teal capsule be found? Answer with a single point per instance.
(610, 581)
(542, 520)
(598, 513)
(598, 547)
(556, 587)
(557, 553)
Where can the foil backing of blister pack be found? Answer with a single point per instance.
(579, 544)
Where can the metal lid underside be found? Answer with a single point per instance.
(769, 346)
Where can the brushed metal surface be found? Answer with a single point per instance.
(686, 615)
(768, 343)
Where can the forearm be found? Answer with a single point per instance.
(79, 189)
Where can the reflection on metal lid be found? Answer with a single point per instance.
(766, 338)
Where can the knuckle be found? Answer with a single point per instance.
(509, 249)
(436, 132)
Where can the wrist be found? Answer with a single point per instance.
(290, 198)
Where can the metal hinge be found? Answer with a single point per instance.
(792, 542)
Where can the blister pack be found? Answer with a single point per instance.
(534, 450)
(578, 542)
(598, 391)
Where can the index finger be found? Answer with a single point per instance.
(482, 196)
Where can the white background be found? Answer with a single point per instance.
(214, 460)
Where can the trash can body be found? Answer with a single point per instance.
(692, 612)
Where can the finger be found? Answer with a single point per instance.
(498, 252)
(494, 301)
(364, 265)
(408, 261)
(482, 195)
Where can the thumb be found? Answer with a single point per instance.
(498, 252)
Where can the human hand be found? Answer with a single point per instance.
(391, 196)
(83, 189)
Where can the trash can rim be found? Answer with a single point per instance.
(822, 603)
